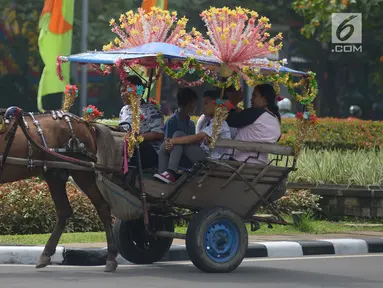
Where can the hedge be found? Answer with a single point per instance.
(26, 207)
(331, 133)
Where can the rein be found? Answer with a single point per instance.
(17, 113)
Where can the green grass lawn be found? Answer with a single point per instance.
(314, 227)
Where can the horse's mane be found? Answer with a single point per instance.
(105, 145)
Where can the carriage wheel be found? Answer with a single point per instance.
(216, 240)
(136, 246)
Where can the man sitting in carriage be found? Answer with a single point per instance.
(151, 126)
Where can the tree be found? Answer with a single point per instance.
(317, 27)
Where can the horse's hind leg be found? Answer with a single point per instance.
(87, 183)
(56, 180)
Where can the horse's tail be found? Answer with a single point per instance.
(105, 145)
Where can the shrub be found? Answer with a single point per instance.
(331, 133)
(26, 207)
(342, 134)
(298, 200)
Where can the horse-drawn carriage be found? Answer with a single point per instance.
(216, 197)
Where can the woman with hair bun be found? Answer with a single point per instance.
(259, 123)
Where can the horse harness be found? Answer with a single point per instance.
(73, 146)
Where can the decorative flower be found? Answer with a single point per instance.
(280, 98)
(91, 113)
(139, 28)
(142, 117)
(299, 115)
(230, 33)
(140, 90)
(71, 94)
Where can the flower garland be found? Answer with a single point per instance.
(91, 113)
(140, 28)
(220, 114)
(71, 94)
(59, 71)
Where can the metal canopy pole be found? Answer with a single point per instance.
(84, 44)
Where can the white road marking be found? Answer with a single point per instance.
(159, 264)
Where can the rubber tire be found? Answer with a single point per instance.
(125, 238)
(195, 240)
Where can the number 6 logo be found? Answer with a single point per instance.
(344, 26)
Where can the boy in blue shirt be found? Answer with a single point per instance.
(180, 121)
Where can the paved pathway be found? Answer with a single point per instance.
(329, 272)
(262, 238)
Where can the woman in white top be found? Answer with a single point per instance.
(259, 123)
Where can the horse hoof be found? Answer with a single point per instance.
(111, 266)
(44, 261)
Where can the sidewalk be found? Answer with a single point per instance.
(263, 238)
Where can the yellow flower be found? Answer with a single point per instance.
(117, 41)
(268, 26)
(260, 45)
(264, 20)
(245, 41)
(208, 33)
(174, 13)
(122, 17)
(254, 14)
(271, 42)
(219, 29)
(135, 32)
(266, 34)
(112, 22)
(209, 52)
(182, 32)
(233, 25)
(156, 28)
(223, 37)
(226, 30)
(129, 13)
(246, 69)
(199, 52)
(233, 41)
(123, 25)
(107, 47)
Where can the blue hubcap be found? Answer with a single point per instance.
(221, 241)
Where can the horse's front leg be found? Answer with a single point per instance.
(86, 181)
(56, 180)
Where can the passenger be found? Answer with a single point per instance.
(179, 122)
(194, 147)
(259, 123)
(234, 98)
(151, 127)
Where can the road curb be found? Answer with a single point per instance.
(28, 255)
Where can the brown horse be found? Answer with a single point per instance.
(59, 130)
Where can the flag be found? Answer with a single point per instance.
(55, 39)
(146, 5)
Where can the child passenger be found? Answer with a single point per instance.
(179, 122)
(194, 147)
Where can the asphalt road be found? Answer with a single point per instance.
(355, 271)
